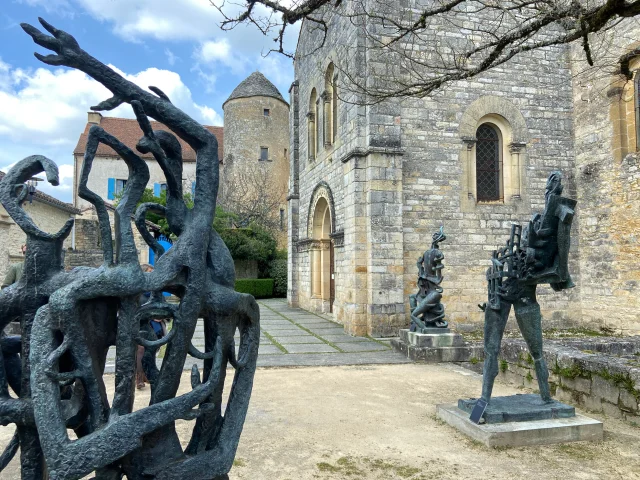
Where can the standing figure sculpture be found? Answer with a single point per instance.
(70, 319)
(426, 309)
(537, 255)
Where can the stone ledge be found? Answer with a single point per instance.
(520, 434)
(430, 348)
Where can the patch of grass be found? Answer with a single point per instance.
(576, 451)
(474, 360)
(529, 377)
(577, 332)
(327, 467)
(406, 472)
(571, 372)
(239, 462)
(274, 341)
(504, 366)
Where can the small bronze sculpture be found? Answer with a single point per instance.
(536, 255)
(426, 310)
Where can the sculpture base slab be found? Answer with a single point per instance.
(436, 347)
(519, 408)
(433, 330)
(519, 434)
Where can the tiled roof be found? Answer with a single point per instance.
(49, 200)
(128, 132)
(255, 85)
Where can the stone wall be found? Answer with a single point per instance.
(608, 178)
(48, 218)
(246, 130)
(88, 242)
(114, 167)
(600, 375)
(399, 170)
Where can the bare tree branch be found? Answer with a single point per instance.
(494, 33)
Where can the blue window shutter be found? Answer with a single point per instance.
(111, 188)
(193, 189)
(156, 190)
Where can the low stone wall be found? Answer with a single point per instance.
(600, 375)
(83, 258)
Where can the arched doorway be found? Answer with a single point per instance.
(322, 264)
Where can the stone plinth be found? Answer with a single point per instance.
(440, 346)
(517, 434)
(519, 408)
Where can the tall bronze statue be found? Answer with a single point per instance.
(426, 309)
(537, 254)
(70, 319)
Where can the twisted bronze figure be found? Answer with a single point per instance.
(426, 309)
(70, 319)
(536, 255)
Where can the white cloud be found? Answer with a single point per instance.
(171, 57)
(44, 111)
(220, 51)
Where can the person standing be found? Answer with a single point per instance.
(14, 274)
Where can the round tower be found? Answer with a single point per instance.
(255, 170)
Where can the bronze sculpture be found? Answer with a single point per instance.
(426, 310)
(538, 254)
(70, 319)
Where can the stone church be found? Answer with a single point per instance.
(369, 184)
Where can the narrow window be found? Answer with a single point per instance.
(328, 133)
(487, 163)
(285, 154)
(334, 112)
(636, 101)
(311, 126)
(282, 219)
(318, 126)
(264, 154)
(266, 112)
(120, 184)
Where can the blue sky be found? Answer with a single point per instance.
(176, 45)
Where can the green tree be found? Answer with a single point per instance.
(149, 197)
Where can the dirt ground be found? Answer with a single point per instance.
(378, 422)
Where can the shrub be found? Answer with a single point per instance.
(258, 287)
(278, 272)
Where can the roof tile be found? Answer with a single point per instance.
(128, 132)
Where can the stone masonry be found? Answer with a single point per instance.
(397, 171)
(608, 179)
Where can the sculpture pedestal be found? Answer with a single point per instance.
(440, 346)
(521, 420)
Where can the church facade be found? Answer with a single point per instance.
(370, 184)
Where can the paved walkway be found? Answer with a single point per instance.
(294, 337)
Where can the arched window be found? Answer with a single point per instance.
(330, 106)
(488, 163)
(311, 125)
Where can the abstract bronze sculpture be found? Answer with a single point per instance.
(536, 255)
(426, 310)
(70, 319)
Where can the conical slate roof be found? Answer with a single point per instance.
(255, 85)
